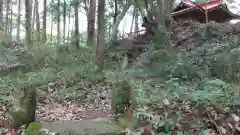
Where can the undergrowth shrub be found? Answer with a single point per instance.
(165, 64)
(219, 59)
(52, 65)
(47, 55)
(150, 96)
(198, 76)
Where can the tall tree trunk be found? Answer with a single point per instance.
(37, 22)
(64, 19)
(33, 17)
(19, 20)
(69, 20)
(168, 17)
(51, 34)
(136, 20)
(76, 38)
(146, 5)
(28, 14)
(44, 21)
(115, 11)
(119, 19)
(6, 18)
(114, 18)
(100, 34)
(58, 23)
(11, 22)
(1, 14)
(141, 9)
(133, 16)
(91, 23)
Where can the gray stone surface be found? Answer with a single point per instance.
(82, 127)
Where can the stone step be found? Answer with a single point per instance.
(92, 127)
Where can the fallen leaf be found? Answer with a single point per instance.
(238, 128)
(223, 130)
(166, 102)
(230, 125)
(235, 117)
(54, 133)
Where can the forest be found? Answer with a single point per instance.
(118, 67)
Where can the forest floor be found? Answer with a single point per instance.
(87, 102)
(78, 103)
(74, 103)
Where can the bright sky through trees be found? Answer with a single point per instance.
(123, 27)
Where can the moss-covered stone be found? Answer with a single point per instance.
(122, 95)
(25, 113)
(33, 129)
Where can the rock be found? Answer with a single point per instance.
(98, 127)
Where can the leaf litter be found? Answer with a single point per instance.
(55, 102)
(55, 107)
